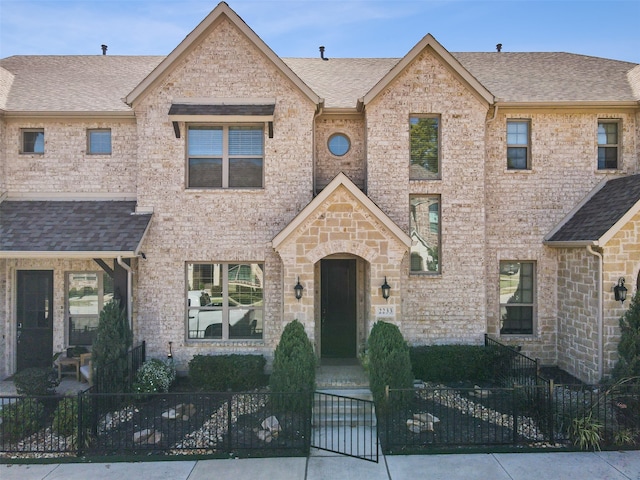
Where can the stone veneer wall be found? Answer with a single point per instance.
(65, 167)
(353, 163)
(215, 225)
(449, 307)
(524, 206)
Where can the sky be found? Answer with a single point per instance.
(347, 28)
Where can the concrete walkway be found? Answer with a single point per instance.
(496, 466)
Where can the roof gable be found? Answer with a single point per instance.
(429, 42)
(341, 181)
(608, 208)
(200, 32)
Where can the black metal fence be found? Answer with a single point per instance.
(560, 416)
(101, 424)
(127, 369)
(510, 367)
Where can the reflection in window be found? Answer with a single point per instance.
(518, 144)
(33, 141)
(225, 300)
(99, 141)
(425, 233)
(424, 140)
(87, 292)
(607, 145)
(517, 297)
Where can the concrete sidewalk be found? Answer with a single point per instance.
(495, 466)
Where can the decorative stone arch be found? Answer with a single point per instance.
(342, 246)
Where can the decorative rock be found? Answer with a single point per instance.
(183, 411)
(416, 426)
(425, 417)
(271, 424)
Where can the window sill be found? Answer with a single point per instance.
(220, 189)
(518, 171)
(222, 343)
(425, 274)
(608, 171)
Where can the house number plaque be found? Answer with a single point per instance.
(388, 311)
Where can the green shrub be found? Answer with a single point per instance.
(294, 368)
(629, 347)
(155, 376)
(389, 363)
(36, 381)
(219, 373)
(451, 363)
(22, 418)
(109, 351)
(65, 417)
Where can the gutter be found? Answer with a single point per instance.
(600, 308)
(129, 290)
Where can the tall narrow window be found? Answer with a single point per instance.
(424, 137)
(608, 143)
(517, 297)
(425, 233)
(99, 141)
(518, 145)
(33, 140)
(225, 156)
(87, 292)
(224, 301)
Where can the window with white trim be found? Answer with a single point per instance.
(517, 297)
(608, 143)
(518, 145)
(224, 301)
(225, 156)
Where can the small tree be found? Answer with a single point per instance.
(294, 367)
(109, 353)
(389, 363)
(629, 347)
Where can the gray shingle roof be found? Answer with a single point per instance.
(100, 82)
(601, 212)
(70, 226)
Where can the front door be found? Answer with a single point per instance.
(34, 319)
(338, 329)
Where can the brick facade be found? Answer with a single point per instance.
(307, 212)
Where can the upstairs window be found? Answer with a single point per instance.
(424, 138)
(608, 143)
(99, 141)
(225, 156)
(425, 233)
(33, 140)
(518, 151)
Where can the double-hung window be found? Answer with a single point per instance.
(608, 143)
(32, 140)
(517, 297)
(87, 292)
(224, 301)
(99, 141)
(424, 139)
(225, 156)
(518, 148)
(424, 224)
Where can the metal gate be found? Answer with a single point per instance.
(345, 425)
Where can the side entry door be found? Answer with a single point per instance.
(34, 317)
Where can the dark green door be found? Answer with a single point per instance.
(34, 318)
(338, 330)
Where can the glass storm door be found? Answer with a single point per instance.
(34, 317)
(338, 329)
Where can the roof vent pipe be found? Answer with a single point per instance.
(499, 47)
(322, 54)
(104, 49)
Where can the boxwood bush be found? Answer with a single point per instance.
(36, 381)
(294, 367)
(452, 363)
(389, 363)
(219, 373)
(21, 418)
(155, 376)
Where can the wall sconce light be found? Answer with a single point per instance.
(386, 289)
(620, 291)
(298, 289)
(170, 354)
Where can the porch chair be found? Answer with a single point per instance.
(86, 368)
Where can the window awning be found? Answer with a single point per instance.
(222, 112)
(79, 229)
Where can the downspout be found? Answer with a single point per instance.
(129, 289)
(600, 308)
